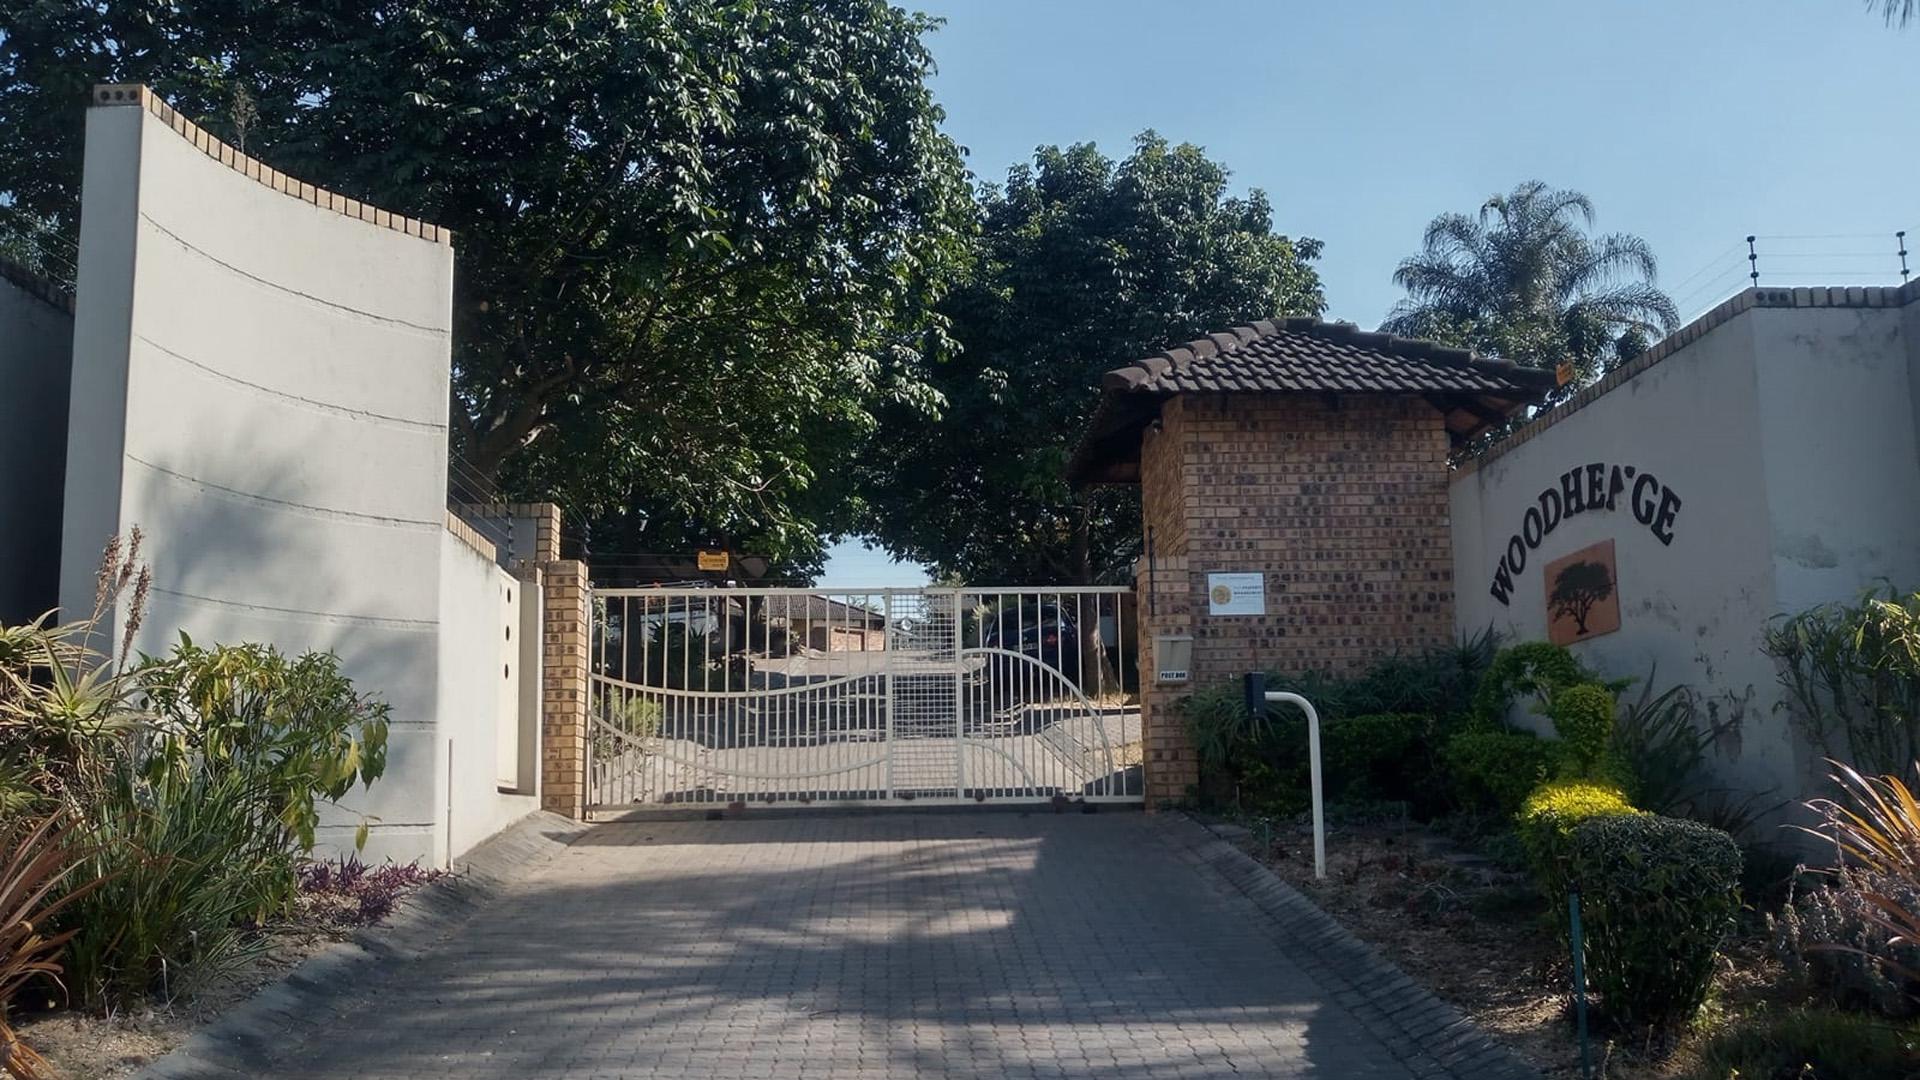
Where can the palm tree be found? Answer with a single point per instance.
(1896, 12)
(1524, 280)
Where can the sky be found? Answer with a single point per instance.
(1691, 123)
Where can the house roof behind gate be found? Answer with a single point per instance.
(1300, 356)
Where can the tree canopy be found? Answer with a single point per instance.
(699, 243)
(1523, 280)
(1083, 264)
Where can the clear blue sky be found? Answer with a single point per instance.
(1689, 122)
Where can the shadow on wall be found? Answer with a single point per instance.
(266, 566)
(916, 945)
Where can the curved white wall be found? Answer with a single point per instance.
(261, 385)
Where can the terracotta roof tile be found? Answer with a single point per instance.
(1302, 356)
(1309, 356)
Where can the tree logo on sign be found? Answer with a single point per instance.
(1580, 586)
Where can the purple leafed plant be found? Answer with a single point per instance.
(362, 894)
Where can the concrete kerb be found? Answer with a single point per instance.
(1426, 1034)
(245, 1039)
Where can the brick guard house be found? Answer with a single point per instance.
(1313, 453)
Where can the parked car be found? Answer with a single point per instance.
(1039, 631)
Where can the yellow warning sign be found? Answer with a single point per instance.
(713, 560)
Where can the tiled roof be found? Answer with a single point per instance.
(1300, 356)
(1310, 356)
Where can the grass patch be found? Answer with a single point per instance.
(1809, 1044)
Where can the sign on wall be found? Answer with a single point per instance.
(1586, 489)
(712, 561)
(1583, 594)
(1236, 594)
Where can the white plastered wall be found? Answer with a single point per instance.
(1788, 434)
(261, 386)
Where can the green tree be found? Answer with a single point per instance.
(699, 242)
(1523, 280)
(1083, 265)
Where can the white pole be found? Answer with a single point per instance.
(1313, 764)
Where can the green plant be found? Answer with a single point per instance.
(1875, 901)
(1831, 932)
(191, 862)
(1532, 667)
(1658, 896)
(1582, 716)
(1852, 676)
(1661, 742)
(1365, 760)
(626, 723)
(294, 727)
(1437, 683)
(1380, 731)
(1491, 772)
(1219, 725)
(65, 706)
(1808, 1044)
(1546, 823)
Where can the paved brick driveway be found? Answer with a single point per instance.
(904, 945)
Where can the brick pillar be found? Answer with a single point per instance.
(1168, 764)
(546, 528)
(563, 689)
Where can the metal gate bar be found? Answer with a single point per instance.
(877, 696)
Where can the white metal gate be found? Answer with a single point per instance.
(805, 696)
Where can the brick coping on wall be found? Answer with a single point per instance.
(1853, 296)
(39, 286)
(471, 537)
(110, 94)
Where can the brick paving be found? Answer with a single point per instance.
(869, 946)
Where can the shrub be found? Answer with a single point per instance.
(1533, 667)
(1852, 675)
(1658, 896)
(1582, 716)
(1831, 935)
(1814, 1044)
(1546, 823)
(294, 727)
(1365, 760)
(195, 821)
(1491, 772)
(1261, 759)
(1380, 757)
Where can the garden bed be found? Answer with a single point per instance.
(335, 901)
(1475, 933)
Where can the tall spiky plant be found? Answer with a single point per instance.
(64, 697)
(1877, 829)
